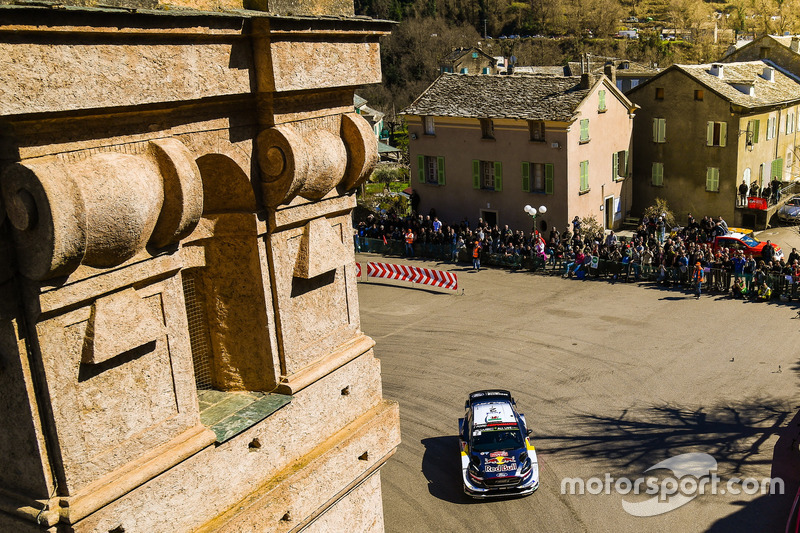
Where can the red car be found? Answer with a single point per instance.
(745, 243)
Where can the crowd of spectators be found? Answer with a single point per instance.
(682, 257)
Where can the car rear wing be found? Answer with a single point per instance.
(488, 395)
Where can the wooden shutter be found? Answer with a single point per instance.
(723, 133)
(602, 96)
(625, 170)
(440, 173)
(498, 176)
(712, 179)
(662, 130)
(526, 176)
(658, 174)
(476, 174)
(709, 133)
(548, 178)
(756, 127)
(421, 168)
(655, 130)
(615, 166)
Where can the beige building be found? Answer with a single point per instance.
(486, 146)
(180, 346)
(703, 129)
(468, 61)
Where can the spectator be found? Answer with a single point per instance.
(764, 292)
(768, 252)
(476, 256)
(743, 188)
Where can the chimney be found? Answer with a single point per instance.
(768, 74)
(611, 73)
(587, 81)
(716, 70)
(795, 44)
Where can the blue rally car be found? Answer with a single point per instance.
(497, 456)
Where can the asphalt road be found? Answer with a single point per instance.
(612, 379)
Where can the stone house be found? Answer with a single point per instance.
(486, 146)
(468, 61)
(782, 50)
(625, 74)
(180, 346)
(703, 129)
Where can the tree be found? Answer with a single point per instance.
(661, 209)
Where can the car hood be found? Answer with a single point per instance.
(792, 210)
(501, 463)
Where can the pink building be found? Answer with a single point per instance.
(486, 146)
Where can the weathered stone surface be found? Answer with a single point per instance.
(349, 511)
(105, 339)
(321, 250)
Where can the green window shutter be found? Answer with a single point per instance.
(584, 129)
(615, 166)
(712, 179)
(658, 174)
(548, 178)
(421, 168)
(723, 133)
(625, 170)
(662, 130)
(709, 133)
(526, 176)
(440, 165)
(655, 130)
(756, 127)
(476, 174)
(584, 176)
(602, 96)
(498, 176)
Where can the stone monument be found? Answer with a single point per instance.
(180, 346)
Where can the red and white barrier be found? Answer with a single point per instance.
(358, 270)
(424, 276)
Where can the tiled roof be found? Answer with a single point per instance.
(459, 52)
(550, 71)
(358, 101)
(530, 97)
(598, 63)
(784, 88)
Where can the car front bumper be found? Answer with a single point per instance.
(523, 489)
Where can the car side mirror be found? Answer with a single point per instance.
(529, 432)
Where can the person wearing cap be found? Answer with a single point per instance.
(476, 256)
(697, 277)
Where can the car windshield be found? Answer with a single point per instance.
(491, 439)
(749, 241)
(794, 201)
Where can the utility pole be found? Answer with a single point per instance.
(484, 29)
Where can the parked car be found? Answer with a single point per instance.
(746, 243)
(791, 211)
(497, 455)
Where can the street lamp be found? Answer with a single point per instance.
(532, 211)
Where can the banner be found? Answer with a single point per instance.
(424, 276)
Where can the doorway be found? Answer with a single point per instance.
(490, 217)
(608, 208)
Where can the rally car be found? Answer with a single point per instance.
(746, 243)
(497, 455)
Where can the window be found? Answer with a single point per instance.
(474, 55)
(430, 127)
(716, 133)
(464, 70)
(776, 171)
(584, 176)
(752, 131)
(487, 128)
(584, 130)
(634, 83)
(657, 178)
(601, 105)
(619, 165)
(789, 123)
(698, 95)
(770, 128)
(659, 93)
(536, 128)
(712, 179)
(659, 130)
(430, 170)
(487, 175)
(537, 177)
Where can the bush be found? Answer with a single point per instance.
(661, 209)
(591, 229)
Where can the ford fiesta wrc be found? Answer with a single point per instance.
(497, 456)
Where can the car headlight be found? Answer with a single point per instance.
(474, 472)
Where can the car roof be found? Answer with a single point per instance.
(734, 235)
(493, 412)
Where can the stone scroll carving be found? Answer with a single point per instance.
(312, 164)
(100, 211)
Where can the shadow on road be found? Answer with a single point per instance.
(441, 465)
(732, 434)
